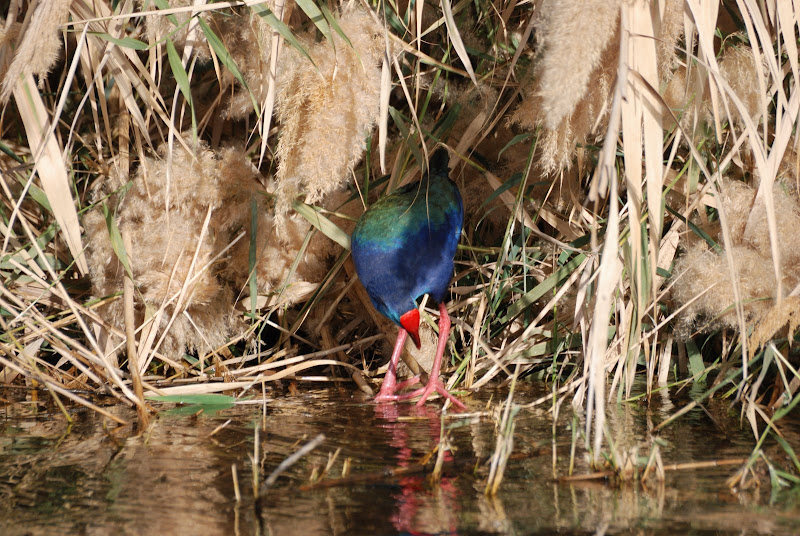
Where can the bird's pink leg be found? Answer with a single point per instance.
(434, 383)
(390, 386)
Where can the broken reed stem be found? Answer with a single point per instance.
(256, 461)
(441, 449)
(235, 476)
(291, 460)
(505, 442)
(601, 475)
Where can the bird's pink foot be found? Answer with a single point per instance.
(389, 389)
(435, 384)
(390, 386)
(423, 392)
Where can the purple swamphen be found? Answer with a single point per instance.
(403, 247)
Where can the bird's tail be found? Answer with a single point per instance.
(440, 162)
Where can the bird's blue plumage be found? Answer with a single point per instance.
(403, 245)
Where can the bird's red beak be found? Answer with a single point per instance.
(410, 322)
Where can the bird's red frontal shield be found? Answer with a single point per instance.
(410, 322)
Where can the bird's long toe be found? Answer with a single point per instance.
(438, 386)
(389, 390)
(408, 383)
(422, 392)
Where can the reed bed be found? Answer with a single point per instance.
(179, 181)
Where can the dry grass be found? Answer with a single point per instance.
(630, 179)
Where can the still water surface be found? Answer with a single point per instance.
(95, 477)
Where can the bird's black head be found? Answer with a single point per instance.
(440, 162)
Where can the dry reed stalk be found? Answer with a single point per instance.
(276, 42)
(49, 160)
(748, 103)
(610, 269)
(183, 33)
(641, 134)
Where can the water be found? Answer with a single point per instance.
(96, 477)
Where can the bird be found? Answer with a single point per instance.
(403, 247)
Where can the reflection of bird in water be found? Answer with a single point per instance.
(403, 248)
(421, 508)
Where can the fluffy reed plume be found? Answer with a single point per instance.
(327, 111)
(37, 44)
(557, 146)
(165, 226)
(738, 68)
(705, 273)
(275, 257)
(700, 268)
(679, 96)
(248, 39)
(670, 32)
(562, 100)
(164, 242)
(784, 313)
(573, 36)
(160, 27)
